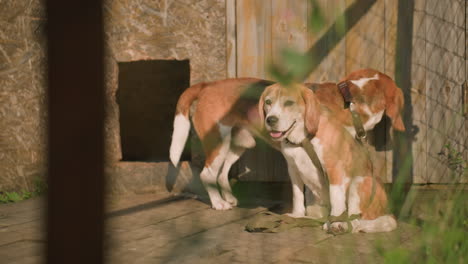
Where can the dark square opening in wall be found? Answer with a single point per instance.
(147, 97)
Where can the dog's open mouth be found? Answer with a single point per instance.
(280, 134)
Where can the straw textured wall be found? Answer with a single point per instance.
(135, 30)
(22, 100)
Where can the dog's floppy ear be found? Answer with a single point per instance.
(312, 111)
(261, 111)
(394, 107)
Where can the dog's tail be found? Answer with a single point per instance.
(182, 122)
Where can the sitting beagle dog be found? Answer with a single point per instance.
(367, 92)
(227, 118)
(293, 114)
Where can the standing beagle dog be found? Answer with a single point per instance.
(226, 119)
(293, 114)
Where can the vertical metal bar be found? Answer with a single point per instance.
(75, 140)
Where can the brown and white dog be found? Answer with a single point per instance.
(372, 94)
(293, 114)
(227, 117)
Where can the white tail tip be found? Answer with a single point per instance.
(179, 137)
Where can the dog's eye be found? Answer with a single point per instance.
(268, 101)
(288, 103)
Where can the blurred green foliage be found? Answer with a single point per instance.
(40, 187)
(455, 162)
(11, 197)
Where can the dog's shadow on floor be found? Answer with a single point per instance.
(276, 196)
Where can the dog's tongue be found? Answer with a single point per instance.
(276, 134)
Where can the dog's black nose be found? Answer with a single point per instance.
(271, 120)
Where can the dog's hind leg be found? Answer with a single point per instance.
(372, 208)
(216, 145)
(384, 223)
(232, 156)
(375, 217)
(241, 140)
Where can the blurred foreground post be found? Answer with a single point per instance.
(402, 152)
(75, 105)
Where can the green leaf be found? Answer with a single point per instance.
(316, 20)
(297, 64)
(279, 74)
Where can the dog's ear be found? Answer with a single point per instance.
(394, 107)
(261, 111)
(312, 111)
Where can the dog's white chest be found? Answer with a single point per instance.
(297, 157)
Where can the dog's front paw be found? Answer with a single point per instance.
(295, 215)
(325, 226)
(335, 227)
(230, 199)
(221, 205)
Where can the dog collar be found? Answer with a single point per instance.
(343, 87)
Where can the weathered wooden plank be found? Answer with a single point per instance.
(25, 223)
(365, 41)
(128, 246)
(31, 231)
(254, 52)
(288, 26)
(32, 204)
(22, 221)
(365, 48)
(253, 37)
(332, 68)
(132, 219)
(419, 93)
(22, 251)
(231, 42)
(444, 77)
(241, 247)
(390, 16)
